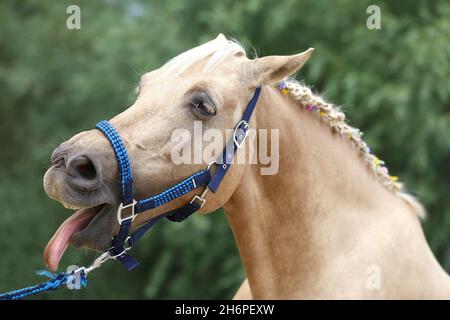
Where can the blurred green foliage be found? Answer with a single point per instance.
(393, 82)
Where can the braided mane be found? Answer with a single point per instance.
(335, 119)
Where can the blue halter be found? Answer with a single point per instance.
(130, 208)
(122, 242)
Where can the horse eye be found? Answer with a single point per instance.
(205, 108)
(202, 106)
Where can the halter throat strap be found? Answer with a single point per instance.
(130, 207)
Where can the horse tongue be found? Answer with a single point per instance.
(60, 241)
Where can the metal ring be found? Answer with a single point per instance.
(125, 242)
(209, 165)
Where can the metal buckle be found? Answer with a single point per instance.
(200, 198)
(236, 142)
(122, 207)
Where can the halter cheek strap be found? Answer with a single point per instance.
(130, 208)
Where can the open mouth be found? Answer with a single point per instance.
(59, 243)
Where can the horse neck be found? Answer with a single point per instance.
(290, 225)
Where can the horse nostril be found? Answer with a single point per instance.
(84, 168)
(87, 171)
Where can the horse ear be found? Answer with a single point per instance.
(220, 36)
(273, 69)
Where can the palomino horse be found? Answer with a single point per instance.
(331, 223)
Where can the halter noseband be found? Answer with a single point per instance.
(122, 242)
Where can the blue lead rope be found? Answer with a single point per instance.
(55, 282)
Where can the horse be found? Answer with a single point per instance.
(331, 223)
